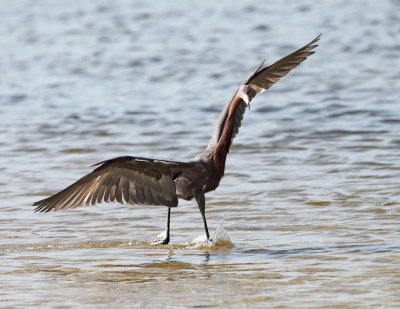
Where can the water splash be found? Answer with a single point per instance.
(156, 240)
(219, 240)
(221, 237)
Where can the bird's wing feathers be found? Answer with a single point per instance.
(125, 180)
(132, 180)
(260, 80)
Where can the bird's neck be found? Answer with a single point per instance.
(220, 151)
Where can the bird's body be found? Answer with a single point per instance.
(143, 181)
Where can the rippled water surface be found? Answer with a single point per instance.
(308, 214)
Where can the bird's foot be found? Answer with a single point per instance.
(165, 241)
(161, 239)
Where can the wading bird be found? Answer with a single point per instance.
(142, 181)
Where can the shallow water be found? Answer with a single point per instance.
(308, 213)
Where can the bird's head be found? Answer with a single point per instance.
(244, 93)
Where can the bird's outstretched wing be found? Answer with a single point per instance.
(260, 80)
(125, 180)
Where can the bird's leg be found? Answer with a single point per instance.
(201, 202)
(166, 239)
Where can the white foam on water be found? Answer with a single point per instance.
(220, 239)
(156, 240)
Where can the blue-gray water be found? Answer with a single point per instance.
(309, 209)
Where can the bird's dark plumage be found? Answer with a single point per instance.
(125, 180)
(134, 180)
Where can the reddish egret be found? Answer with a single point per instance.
(143, 181)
